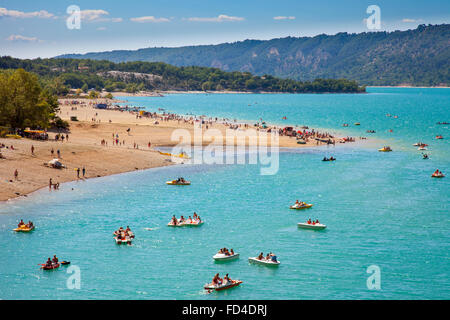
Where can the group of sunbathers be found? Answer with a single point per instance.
(195, 219)
(123, 234)
(218, 281)
(313, 222)
(269, 257)
(299, 203)
(22, 224)
(51, 262)
(226, 252)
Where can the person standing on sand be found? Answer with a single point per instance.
(78, 173)
(84, 172)
(16, 174)
(67, 137)
(50, 184)
(52, 151)
(59, 153)
(32, 150)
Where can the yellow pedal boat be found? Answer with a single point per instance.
(24, 229)
(300, 207)
(178, 183)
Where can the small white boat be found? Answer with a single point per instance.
(193, 223)
(224, 257)
(315, 226)
(186, 223)
(264, 261)
(122, 241)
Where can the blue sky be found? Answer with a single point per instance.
(30, 29)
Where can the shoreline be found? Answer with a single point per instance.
(91, 145)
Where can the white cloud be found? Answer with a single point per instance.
(20, 14)
(284, 18)
(149, 19)
(411, 20)
(97, 15)
(220, 18)
(93, 15)
(18, 37)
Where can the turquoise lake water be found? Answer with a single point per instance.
(381, 209)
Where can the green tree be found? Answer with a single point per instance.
(23, 103)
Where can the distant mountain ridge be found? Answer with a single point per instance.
(413, 57)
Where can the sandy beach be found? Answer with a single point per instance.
(92, 144)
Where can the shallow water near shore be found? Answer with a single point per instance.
(381, 209)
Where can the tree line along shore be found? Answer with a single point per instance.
(61, 75)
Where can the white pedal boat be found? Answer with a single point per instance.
(316, 226)
(186, 224)
(123, 241)
(263, 261)
(223, 257)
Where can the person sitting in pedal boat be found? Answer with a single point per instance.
(21, 223)
(261, 256)
(48, 263)
(182, 219)
(195, 216)
(190, 219)
(55, 259)
(226, 279)
(174, 220)
(273, 257)
(232, 251)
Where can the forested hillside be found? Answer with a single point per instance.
(416, 57)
